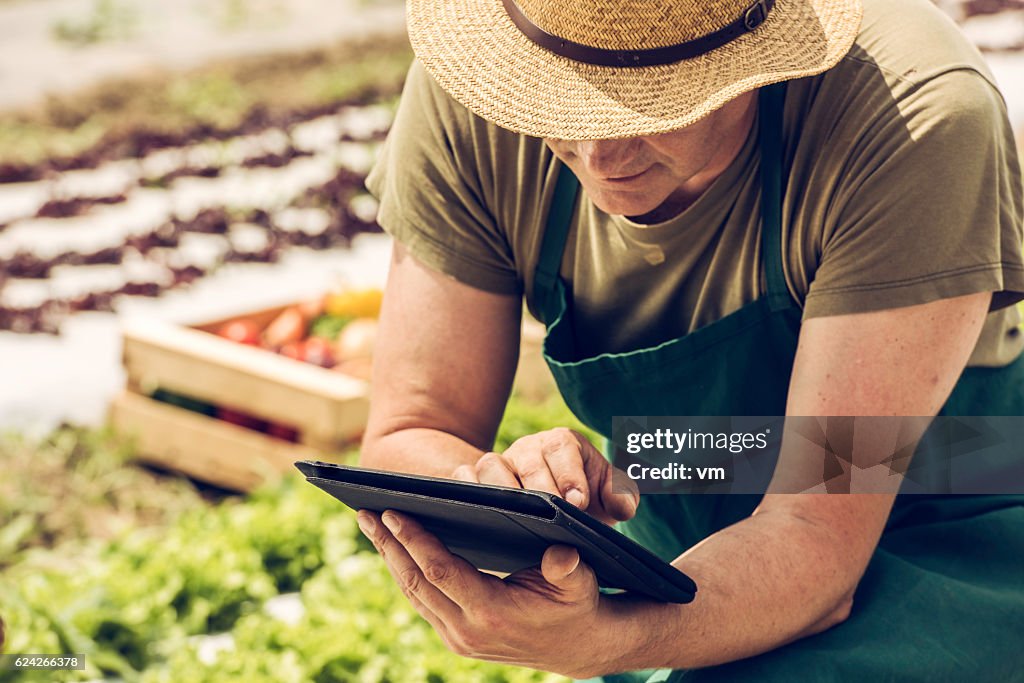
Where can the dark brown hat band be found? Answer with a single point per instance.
(752, 17)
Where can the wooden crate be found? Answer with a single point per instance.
(202, 447)
(328, 409)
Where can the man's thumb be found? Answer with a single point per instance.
(562, 568)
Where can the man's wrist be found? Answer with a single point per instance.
(635, 633)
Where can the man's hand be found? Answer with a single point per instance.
(524, 619)
(562, 462)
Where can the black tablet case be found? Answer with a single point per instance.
(504, 529)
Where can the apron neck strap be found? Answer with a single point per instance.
(556, 230)
(771, 99)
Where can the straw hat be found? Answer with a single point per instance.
(597, 69)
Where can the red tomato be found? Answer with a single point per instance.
(240, 332)
(318, 352)
(294, 350)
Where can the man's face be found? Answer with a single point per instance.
(635, 176)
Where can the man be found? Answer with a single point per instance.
(799, 207)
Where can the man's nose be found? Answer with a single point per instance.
(607, 158)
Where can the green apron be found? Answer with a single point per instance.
(943, 596)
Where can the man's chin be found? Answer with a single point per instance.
(626, 206)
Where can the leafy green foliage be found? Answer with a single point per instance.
(73, 484)
(523, 418)
(141, 607)
(328, 326)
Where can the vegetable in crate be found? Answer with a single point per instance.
(291, 325)
(287, 328)
(318, 351)
(295, 350)
(356, 340)
(355, 303)
(328, 326)
(241, 331)
(315, 350)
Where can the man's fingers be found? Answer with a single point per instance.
(563, 462)
(558, 562)
(465, 473)
(620, 495)
(565, 459)
(436, 622)
(491, 468)
(614, 496)
(529, 463)
(552, 462)
(457, 579)
(562, 568)
(405, 570)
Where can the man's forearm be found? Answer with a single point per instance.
(765, 581)
(429, 452)
(784, 573)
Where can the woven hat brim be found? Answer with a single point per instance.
(477, 55)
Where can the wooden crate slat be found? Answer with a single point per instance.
(204, 448)
(326, 405)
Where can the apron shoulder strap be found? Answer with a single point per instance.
(556, 231)
(770, 132)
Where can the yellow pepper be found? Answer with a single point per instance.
(356, 303)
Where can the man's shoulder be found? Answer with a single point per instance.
(910, 73)
(905, 44)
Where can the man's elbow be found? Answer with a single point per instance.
(841, 612)
(837, 615)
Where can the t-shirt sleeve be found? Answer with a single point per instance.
(928, 205)
(432, 199)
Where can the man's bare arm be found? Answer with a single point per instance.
(787, 571)
(443, 370)
(790, 570)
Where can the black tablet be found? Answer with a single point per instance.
(504, 529)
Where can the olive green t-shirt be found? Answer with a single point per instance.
(902, 187)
